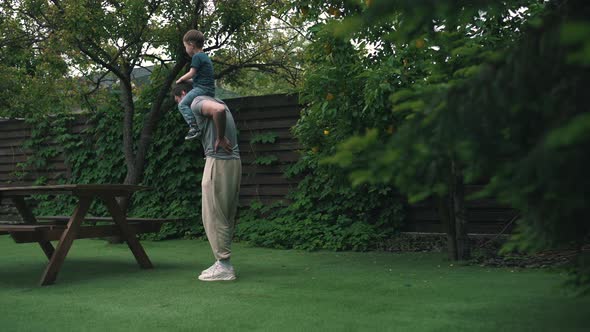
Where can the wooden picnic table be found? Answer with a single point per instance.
(65, 232)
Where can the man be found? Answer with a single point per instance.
(221, 178)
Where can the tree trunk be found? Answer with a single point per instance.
(447, 219)
(463, 245)
(452, 213)
(128, 143)
(136, 161)
(150, 124)
(130, 160)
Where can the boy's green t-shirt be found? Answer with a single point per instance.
(204, 78)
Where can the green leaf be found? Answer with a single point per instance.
(575, 32)
(575, 131)
(266, 160)
(269, 137)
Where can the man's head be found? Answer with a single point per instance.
(193, 41)
(179, 91)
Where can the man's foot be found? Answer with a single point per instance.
(218, 272)
(210, 269)
(192, 133)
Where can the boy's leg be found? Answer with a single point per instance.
(209, 92)
(185, 107)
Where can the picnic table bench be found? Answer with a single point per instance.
(66, 229)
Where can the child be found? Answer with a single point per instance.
(201, 75)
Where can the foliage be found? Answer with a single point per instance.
(33, 80)
(281, 72)
(103, 42)
(255, 82)
(343, 95)
(501, 99)
(266, 160)
(268, 137)
(403, 68)
(541, 133)
(173, 167)
(100, 43)
(325, 213)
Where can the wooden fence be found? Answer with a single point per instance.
(274, 114)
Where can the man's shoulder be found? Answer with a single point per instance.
(200, 99)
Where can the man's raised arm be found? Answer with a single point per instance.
(216, 111)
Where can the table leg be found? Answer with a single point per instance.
(65, 242)
(126, 233)
(28, 217)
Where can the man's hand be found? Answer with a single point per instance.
(224, 143)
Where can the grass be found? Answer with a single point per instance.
(101, 288)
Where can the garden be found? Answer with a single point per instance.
(398, 103)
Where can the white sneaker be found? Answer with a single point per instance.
(210, 269)
(218, 272)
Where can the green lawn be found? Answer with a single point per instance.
(101, 288)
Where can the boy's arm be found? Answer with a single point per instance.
(188, 76)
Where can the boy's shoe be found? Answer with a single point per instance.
(218, 272)
(192, 133)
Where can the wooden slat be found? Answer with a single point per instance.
(292, 112)
(472, 227)
(20, 133)
(29, 227)
(85, 232)
(15, 142)
(54, 165)
(30, 178)
(247, 200)
(65, 242)
(478, 203)
(246, 135)
(8, 151)
(283, 156)
(256, 102)
(264, 169)
(127, 233)
(26, 213)
(21, 183)
(13, 150)
(265, 190)
(11, 160)
(78, 189)
(268, 125)
(11, 124)
(271, 179)
(279, 146)
(110, 219)
(472, 215)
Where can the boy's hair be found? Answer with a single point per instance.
(177, 89)
(194, 37)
